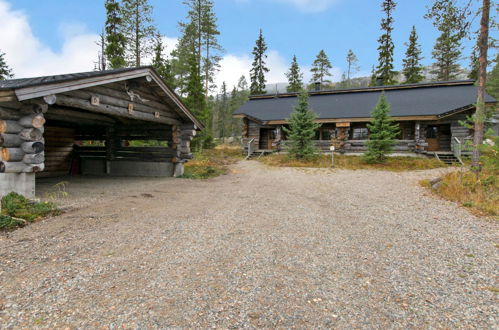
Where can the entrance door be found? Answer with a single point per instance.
(438, 138)
(267, 136)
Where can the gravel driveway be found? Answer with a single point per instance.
(260, 247)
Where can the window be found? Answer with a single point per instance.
(431, 132)
(360, 133)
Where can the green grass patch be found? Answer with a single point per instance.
(18, 211)
(396, 164)
(211, 163)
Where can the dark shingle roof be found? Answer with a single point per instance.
(37, 81)
(413, 100)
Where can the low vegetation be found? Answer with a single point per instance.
(210, 163)
(480, 194)
(18, 211)
(396, 164)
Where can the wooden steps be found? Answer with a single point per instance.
(448, 158)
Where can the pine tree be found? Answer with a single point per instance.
(115, 39)
(493, 80)
(295, 77)
(384, 70)
(302, 129)
(258, 69)
(320, 69)
(162, 65)
(412, 61)
(352, 63)
(382, 132)
(447, 50)
(139, 29)
(5, 71)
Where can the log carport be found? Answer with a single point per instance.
(87, 123)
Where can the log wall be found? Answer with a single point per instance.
(21, 140)
(59, 143)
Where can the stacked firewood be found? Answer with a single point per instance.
(22, 144)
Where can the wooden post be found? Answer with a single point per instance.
(110, 148)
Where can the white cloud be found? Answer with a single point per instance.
(29, 57)
(233, 67)
(304, 5)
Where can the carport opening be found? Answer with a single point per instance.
(138, 148)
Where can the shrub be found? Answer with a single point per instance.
(17, 206)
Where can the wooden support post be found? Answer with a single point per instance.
(110, 148)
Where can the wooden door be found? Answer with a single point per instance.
(267, 136)
(432, 138)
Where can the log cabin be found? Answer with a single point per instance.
(92, 123)
(430, 116)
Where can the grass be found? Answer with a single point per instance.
(18, 211)
(211, 163)
(396, 164)
(480, 196)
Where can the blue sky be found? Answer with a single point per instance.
(301, 27)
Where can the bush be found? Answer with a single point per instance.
(17, 210)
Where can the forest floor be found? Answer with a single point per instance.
(259, 247)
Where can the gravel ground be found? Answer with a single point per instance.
(260, 247)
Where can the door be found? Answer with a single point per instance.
(267, 136)
(438, 138)
(432, 138)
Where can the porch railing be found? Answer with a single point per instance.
(457, 147)
(250, 148)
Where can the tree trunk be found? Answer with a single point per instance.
(479, 117)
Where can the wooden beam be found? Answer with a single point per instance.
(68, 101)
(63, 113)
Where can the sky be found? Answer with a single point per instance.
(59, 36)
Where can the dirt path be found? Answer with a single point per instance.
(261, 247)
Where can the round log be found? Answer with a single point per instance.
(36, 121)
(10, 126)
(12, 154)
(33, 147)
(10, 140)
(19, 167)
(31, 159)
(31, 134)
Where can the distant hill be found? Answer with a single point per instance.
(360, 82)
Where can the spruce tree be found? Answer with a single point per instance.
(352, 64)
(302, 129)
(5, 71)
(384, 70)
(161, 64)
(202, 16)
(320, 69)
(115, 39)
(412, 62)
(139, 30)
(258, 68)
(382, 132)
(295, 77)
(223, 111)
(447, 50)
(493, 80)
(474, 63)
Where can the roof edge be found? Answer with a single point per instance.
(368, 89)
